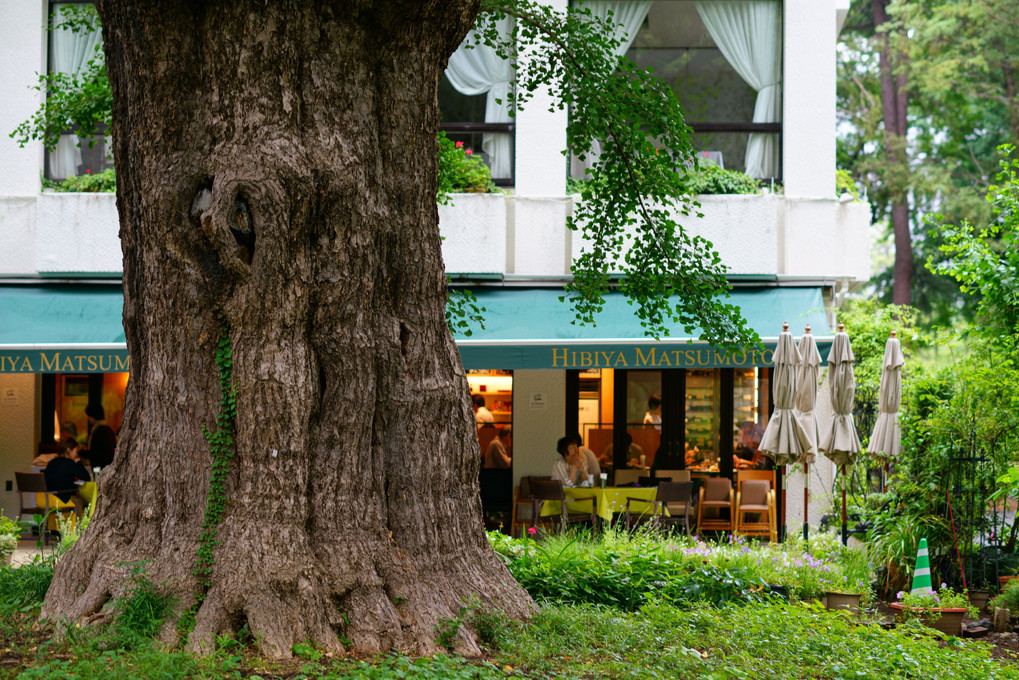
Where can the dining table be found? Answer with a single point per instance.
(611, 499)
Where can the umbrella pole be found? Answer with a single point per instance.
(845, 524)
(806, 500)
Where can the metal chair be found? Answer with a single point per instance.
(627, 476)
(522, 506)
(43, 499)
(716, 494)
(672, 496)
(543, 490)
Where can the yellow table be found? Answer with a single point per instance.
(610, 499)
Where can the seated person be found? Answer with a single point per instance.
(591, 460)
(633, 452)
(102, 440)
(693, 455)
(747, 455)
(570, 469)
(498, 455)
(62, 472)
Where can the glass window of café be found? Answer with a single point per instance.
(65, 397)
(723, 61)
(673, 418)
(70, 52)
(492, 396)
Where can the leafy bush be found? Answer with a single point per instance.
(99, 182)
(711, 179)
(626, 571)
(1007, 598)
(461, 170)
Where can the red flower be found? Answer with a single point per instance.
(87, 171)
(459, 144)
(468, 152)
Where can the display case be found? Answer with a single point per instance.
(701, 423)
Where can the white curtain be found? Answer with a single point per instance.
(71, 54)
(749, 35)
(478, 70)
(627, 18)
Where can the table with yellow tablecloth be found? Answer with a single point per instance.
(610, 499)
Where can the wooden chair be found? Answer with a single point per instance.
(544, 490)
(716, 494)
(674, 475)
(521, 514)
(672, 496)
(755, 496)
(43, 500)
(627, 476)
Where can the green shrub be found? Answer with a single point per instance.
(711, 179)
(99, 182)
(460, 169)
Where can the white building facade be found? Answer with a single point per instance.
(792, 250)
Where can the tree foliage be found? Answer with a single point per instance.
(629, 208)
(631, 205)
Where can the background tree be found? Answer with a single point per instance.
(284, 302)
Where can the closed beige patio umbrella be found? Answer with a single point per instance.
(840, 443)
(886, 439)
(806, 398)
(784, 441)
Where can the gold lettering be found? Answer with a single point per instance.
(676, 361)
(642, 360)
(585, 359)
(607, 356)
(91, 363)
(722, 359)
(664, 361)
(765, 356)
(621, 359)
(742, 360)
(48, 367)
(68, 365)
(105, 366)
(26, 365)
(122, 365)
(690, 357)
(703, 361)
(556, 357)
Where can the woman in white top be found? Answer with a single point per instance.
(653, 416)
(571, 469)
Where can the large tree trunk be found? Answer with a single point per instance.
(276, 164)
(894, 100)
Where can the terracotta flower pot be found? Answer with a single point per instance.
(979, 598)
(949, 621)
(847, 601)
(1003, 581)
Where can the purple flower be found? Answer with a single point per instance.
(898, 595)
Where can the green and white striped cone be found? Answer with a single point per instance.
(922, 573)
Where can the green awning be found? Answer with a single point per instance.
(62, 329)
(79, 329)
(529, 328)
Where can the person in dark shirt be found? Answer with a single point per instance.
(62, 472)
(101, 440)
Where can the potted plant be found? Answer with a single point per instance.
(10, 532)
(1008, 598)
(850, 585)
(942, 610)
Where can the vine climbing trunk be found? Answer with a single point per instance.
(276, 173)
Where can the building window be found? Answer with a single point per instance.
(723, 60)
(475, 109)
(70, 52)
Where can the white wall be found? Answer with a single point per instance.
(808, 98)
(22, 56)
(78, 233)
(18, 432)
(536, 431)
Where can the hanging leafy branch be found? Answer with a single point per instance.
(637, 185)
(81, 101)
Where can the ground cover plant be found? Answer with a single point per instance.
(647, 630)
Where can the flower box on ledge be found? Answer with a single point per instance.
(946, 619)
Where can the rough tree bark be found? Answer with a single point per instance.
(894, 99)
(277, 162)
